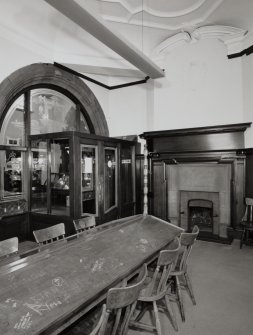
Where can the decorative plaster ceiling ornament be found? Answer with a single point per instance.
(147, 8)
(132, 12)
(232, 37)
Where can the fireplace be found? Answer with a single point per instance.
(207, 210)
(200, 214)
(198, 177)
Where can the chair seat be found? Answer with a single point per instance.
(145, 292)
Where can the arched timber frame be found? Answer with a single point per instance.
(48, 75)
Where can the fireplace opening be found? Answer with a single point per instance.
(200, 213)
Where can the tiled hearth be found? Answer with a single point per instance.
(202, 184)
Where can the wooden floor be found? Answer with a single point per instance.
(222, 277)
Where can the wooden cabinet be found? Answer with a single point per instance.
(79, 174)
(69, 174)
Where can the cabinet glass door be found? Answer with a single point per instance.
(88, 179)
(39, 176)
(59, 177)
(110, 175)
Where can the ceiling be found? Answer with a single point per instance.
(157, 26)
(152, 26)
(173, 15)
(161, 19)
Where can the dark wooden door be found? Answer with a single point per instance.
(159, 196)
(127, 195)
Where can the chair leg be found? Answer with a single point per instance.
(116, 323)
(157, 320)
(242, 238)
(189, 288)
(180, 298)
(141, 313)
(104, 324)
(127, 318)
(171, 313)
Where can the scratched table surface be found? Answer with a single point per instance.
(41, 292)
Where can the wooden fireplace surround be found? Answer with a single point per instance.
(223, 144)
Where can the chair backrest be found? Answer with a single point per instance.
(8, 247)
(50, 234)
(120, 298)
(187, 240)
(85, 223)
(248, 215)
(165, 264)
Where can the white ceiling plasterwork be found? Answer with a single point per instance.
(170, 15)
(232, 37)
(149, 10)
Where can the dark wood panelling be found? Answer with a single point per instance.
(249, 174)
(159, 197)
(16, 225)
(139, 184)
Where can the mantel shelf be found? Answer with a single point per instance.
(228, 128)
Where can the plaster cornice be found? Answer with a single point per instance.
(232, 37)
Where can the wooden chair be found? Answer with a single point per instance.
(50, 234)
(120, 303)
(96, 330)
(9, 247)
(155, 290)
(180, 272)
(247, 221)
(85, 223)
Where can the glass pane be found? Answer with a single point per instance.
(60, 177)
(51, 112)
(13, 130)
(12, 167)
(126, 175)
(110, 178)
(39, 177)
(83, 124)
(88, 179)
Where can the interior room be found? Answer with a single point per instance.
(126, 159)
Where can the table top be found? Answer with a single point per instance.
(41, 292)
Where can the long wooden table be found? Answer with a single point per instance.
(44, 292)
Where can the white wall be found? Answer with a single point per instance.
(128, 108)
(202, 87)
(102, 94)
(13, 56)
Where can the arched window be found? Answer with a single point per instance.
(34, 100)
(13, 126)
(51, 112)
(44, 111)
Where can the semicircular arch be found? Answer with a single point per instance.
(42, 74)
